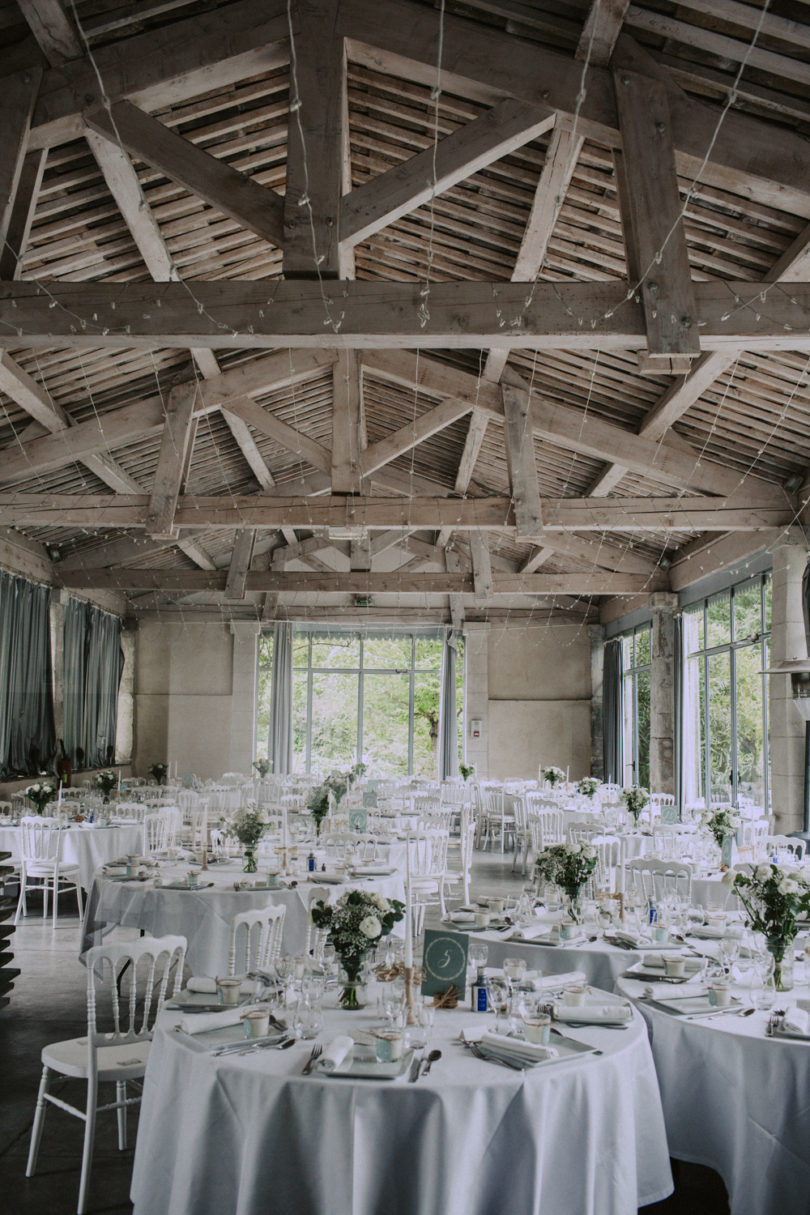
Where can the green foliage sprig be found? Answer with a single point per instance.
(635, 799)
(774, 899)
(465, 771)
(248, 826)
(338, 784)
(262, 766)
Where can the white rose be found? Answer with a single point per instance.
(763, 873)
(790, 887)
(589, 851)
(576, 849)
(370, 927)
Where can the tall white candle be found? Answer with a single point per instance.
(408, 908)
(59, 798)
(285, 842)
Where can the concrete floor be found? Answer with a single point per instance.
(48, 1003)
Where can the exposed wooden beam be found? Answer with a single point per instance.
(657, 224)
(274, 510)
(360, 555)
(369, 583)
(19, 96)
(374, 315)
(177, 431)
(266, 422)
(53, 30)
(411, 435)
(601, 29)
(318, 167)
(482, 567)
(769, 164)
(240, 563)
(255, 207)
(520, 461)
(708, 554)
(388, 196)
(22, 214)
(345, 467)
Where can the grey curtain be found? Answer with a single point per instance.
(678, 741)
(448, 717)
(92, 667)
(281, 699)
(612, 711)
(27, 737)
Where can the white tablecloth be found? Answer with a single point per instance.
(252, 1136)
(204, 916)
(85, 846)
(736, 1101)
(601, 962)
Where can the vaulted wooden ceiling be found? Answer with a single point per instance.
(475, 310)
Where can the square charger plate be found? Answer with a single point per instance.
(360, 1064)
(200, 1002)
(232, 1035)
(692, 1006)
(567, 1048)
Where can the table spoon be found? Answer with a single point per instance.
(431, 1059)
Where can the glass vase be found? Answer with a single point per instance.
(781, 949)
(249, 863)
(352, 983)
(572, 906)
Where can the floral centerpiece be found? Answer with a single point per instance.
(465, 771)
(262, 766)
(106, 782)
(248, 825)
(337, 784)
(356, 922)
(774, 899)
(568, 866)
(159, 772)
(552, 776)
(635, 799)
(40, 793)
(588, 786)
(722, 821)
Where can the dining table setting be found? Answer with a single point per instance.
(265, 1107)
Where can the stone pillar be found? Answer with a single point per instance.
(243, 694)
(476, 696)
(662, 692)
(786, 726)
(596, 633)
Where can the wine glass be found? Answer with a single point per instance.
(498, 996)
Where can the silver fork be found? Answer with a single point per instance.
(479, 1054)
(314, 1054)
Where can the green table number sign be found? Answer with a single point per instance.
(444, 962)
(358, 818)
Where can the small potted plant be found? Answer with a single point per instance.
(40, 793)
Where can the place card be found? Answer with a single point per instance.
(444, 962)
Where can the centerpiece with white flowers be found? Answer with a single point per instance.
(552, 776)
(356, 923)
(262, 766)
(568, 866)
(40, 793)
(774, 899)
(635, 799)
(723, 822)
(336, 785)
(106, 782)
(248, 825)
(588, 786)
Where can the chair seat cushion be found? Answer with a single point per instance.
(124, 1061)
(45, 869)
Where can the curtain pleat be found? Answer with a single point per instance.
(74, 633)
(281, 734)
(27, 736)
(448, 717)
(612, 710)
(92, 667)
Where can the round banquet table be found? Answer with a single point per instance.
(736, 1101)
(204, 916)
(251, 1135)
(85, 845)
(600, 961)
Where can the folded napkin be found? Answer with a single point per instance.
(336, 1052)
(208, 987)
(592, 1014)
(684, 991)
(550, 982)
(198, 1023)
(516, 1048)
(656, 960)
(796, 1021)
(527, 932)
(705, 932)
(629, 938)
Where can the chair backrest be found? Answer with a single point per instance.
(339, 844)
(581, 831)
(659, 879)
(155, 833)
(127, 985)
(427, 853)
(784, 848)
(261, 931)
(40, 840)
(546, 828)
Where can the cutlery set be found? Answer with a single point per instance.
(248, 1048)
(421, 1067)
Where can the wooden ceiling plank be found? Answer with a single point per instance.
(482, 566)
(346, 411)
(19, 97)
(536, 558)
(266, 422)
(600, 31)
(385, 198)
(318, 169)
(374, 314)
(22, 214)
(657, 224)
(241, 557)
(412, 434)
(360, 554)
(256, 208)
(521, 463)
(53, 30)
(177, 432)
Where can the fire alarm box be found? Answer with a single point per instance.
(475, 727)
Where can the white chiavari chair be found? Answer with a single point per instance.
(256, 939)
